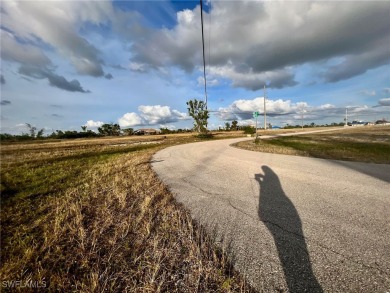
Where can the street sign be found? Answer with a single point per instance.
(256, 114)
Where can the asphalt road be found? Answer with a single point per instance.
(291, 223)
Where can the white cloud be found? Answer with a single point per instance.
(255, 39)
(257, 104)
(169, 126)
(327, 106)
(22, 53)
(130, 119)
(160, 114)
(210, 81)
(136, 66)
(152, 115)
(57, 23)
(93, 124)
(243, 109)
(370, 93)
(243, 76)
(384, 102)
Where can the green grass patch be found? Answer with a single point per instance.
(362, 145)
(39, 177)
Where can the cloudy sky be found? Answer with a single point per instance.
(70, 63)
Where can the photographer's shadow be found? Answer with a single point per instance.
(282, 220)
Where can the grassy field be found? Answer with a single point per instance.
(369, 144)
(91, 215)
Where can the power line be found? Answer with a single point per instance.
(204, 59)
(209, 35)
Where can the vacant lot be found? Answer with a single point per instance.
(91, 215)
(365, 144)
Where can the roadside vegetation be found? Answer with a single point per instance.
(91, 215)
(369, 144)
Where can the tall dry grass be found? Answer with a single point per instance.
(116, 228)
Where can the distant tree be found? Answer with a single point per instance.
(128, 131)
(227, 126)
(84, 128)
(110, 129)
(33, 131)
(197, 110)
(234, 125)
(165, 130)
(40, 133)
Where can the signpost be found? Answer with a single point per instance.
(255, 115)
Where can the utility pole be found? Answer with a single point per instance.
(204, 59)
(255, 115)
(302, 111)
(346, 116)
(265, 110)
(256, 127)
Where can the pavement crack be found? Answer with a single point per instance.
(200, 188)
(241, 211)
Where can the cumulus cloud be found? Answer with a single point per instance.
(246, 78)
(243, 110)
(12, 50)
(384, 102)
(261, 42)
(93, 124)
(151, 115)
(57, 24)
(108, 76)
(160, 114)
(327, 106)
(130, 119)
(357, 64)
(54, 79)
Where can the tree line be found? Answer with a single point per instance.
(196, 109)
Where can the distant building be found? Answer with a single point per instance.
(357, 123)
(147, 131)
(382, 121)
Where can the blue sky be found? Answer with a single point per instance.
(70, 63)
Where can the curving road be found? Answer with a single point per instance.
(291, 223)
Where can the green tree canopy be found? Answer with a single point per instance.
(198, 111)
(234, 125)
(110, 129)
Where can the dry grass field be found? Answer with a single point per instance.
(91, 215)
(369, 144)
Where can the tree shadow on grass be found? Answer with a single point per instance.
(282, 219)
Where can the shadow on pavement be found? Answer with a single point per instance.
(282, 220)
(378, 171)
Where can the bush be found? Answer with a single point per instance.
(205, 135)
(248, 129)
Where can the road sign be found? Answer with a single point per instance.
(256, 114)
